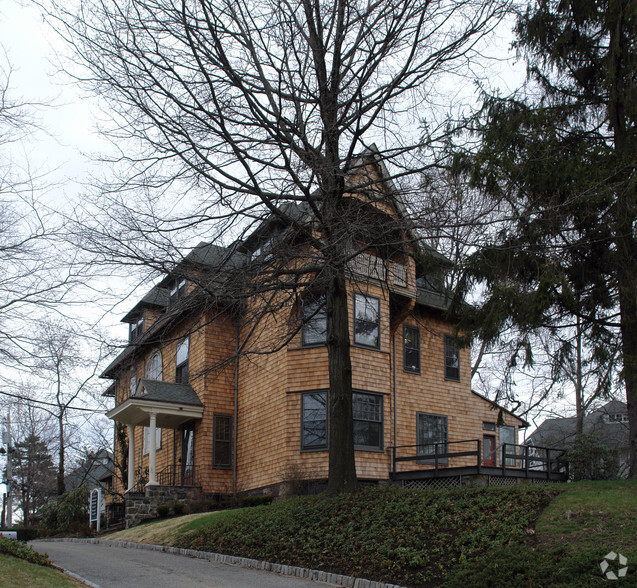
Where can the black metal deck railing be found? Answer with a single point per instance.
(466, 455)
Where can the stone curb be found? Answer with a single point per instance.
(244, 562)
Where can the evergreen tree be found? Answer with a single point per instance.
(34, 475)
(560, 160)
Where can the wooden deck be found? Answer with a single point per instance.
(465, 458)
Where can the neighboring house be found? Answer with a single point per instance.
(609, 423)
(204, 408)
(95, 471)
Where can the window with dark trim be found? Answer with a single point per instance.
(314, 420)
(452, 359)
(222, 441)
(314, 330)
(368, 420)
(431, 437)
(135, 329)
(367, 321)
(488, 426)
(182, 361)
(177, 290)
(411, 349)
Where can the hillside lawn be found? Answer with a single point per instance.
(536, 536)
(18, 573)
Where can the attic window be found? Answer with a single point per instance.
(616, 418)
(135, 329)
(177, 290)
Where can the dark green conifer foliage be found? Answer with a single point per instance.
(561, 160)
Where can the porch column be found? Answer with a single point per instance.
(152, 450)
(131, 457)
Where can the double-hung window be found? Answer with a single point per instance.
(368, 421)
(222, 441)
(314, 329)
(181, 361)
(452, 359)
(177, 290)
(431, 433)
(367, 320)
(411, 349)
(135, 329)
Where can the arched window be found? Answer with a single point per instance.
(154, 367)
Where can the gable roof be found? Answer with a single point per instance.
(559, 432)
(167, 392)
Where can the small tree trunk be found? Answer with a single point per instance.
(342, 466)
(579, 391)
(61, 486)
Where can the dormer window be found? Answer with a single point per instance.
(135, 329)
(177, 290)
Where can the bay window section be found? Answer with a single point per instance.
(368, 421)
(314, 420)
(366, 321)
(314, 329)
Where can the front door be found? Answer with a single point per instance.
(188, 455)
(488, 450)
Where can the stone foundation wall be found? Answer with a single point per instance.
(143, 508)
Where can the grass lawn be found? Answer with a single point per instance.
(17, 573)
(461, 538)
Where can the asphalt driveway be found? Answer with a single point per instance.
(115, 567)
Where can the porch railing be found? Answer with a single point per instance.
(178, 476)
(531, 459)
(440, 455)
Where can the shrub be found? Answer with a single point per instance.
(178, 508)
(19, 549)
(69, 513)
(163, 510)
(592, 460)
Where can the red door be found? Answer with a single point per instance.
(488, 450)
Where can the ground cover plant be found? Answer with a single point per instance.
(410, 537)
(577, 529)
(23, 551)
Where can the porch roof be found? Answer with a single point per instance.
(174, 405)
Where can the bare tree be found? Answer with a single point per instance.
(67, 376)
(261, 108)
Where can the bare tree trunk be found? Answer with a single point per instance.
(61, 486)
(579, 391)
(342, 467)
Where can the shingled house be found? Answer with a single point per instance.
(198, 404)
(609, 423)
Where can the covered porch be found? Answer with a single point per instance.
(163, 405)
